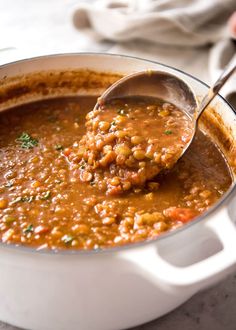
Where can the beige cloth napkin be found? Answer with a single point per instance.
(179, 33)
(182, 22)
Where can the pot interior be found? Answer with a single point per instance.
(90, 74)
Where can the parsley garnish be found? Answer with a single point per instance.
(27, 142)
(58, 147)
(121, 112)
(28, 199)
(28, 229)
(82, 165)
(168, 132)
(67, 239)
(46, 195)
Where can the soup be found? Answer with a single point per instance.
(129, 141)
(45, 204)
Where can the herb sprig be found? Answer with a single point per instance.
(67, 239)
(28, 199)
(27, 141)
(45, 196)
(122, 112)
(28, 229)
(58, 147)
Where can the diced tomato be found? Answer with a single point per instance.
(180, 214)
(41, 230)
(67, 152)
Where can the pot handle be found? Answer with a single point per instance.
(201, 273)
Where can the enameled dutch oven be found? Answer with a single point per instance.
(120, 287)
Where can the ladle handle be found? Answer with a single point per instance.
(214, 90)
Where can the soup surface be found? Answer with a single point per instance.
(45, 204)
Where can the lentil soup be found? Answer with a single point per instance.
(45, 204)
(129, 141)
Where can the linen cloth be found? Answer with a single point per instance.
(178, 33)
(171, 22)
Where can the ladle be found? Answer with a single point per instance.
(166, 86)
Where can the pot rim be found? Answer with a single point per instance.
(128, 246)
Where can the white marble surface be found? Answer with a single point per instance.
(36, 27)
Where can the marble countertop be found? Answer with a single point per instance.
(42, 27)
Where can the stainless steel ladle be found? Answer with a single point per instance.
(166, 86)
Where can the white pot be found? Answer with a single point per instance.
(121, 287)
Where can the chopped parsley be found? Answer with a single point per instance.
(28, 199)
(67, 239)
(58, 147)
(168, 132)
(28, 229)
(82, 165)
(27, 141)
(46, 195)
(121, 112)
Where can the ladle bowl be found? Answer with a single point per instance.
(170, 88)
